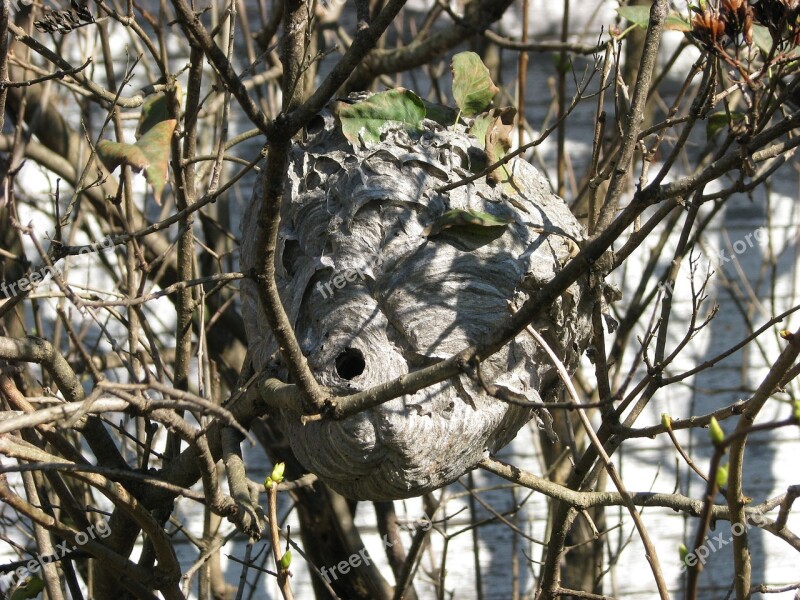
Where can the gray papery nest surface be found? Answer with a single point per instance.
(377, 287)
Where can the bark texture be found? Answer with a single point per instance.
(378, 283)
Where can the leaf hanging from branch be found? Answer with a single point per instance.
(494, 129)
(471, 220)
(370, 116)
(150, 153)
(154, 110)
(473, 88)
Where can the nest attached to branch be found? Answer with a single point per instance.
(382, 275)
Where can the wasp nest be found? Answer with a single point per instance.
(382, 274)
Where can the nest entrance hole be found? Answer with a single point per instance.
(350, 363)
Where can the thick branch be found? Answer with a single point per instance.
(194, 29)
(362, 47)
(635, 116)
(43, 352)
(736, 501)
(168, 570)
(584, 500)
(591, 253)
(105, 95)
(479, 14)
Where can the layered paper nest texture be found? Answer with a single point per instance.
(382, 274)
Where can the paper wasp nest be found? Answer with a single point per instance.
(382, 275)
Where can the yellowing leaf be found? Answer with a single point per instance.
(155, 110)
(155, 145)
(114, 154)
(465, 218)
(498, 137)
(150, 153)
(473, 88)
(479, 127)
(467, 230)
(370, 116)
